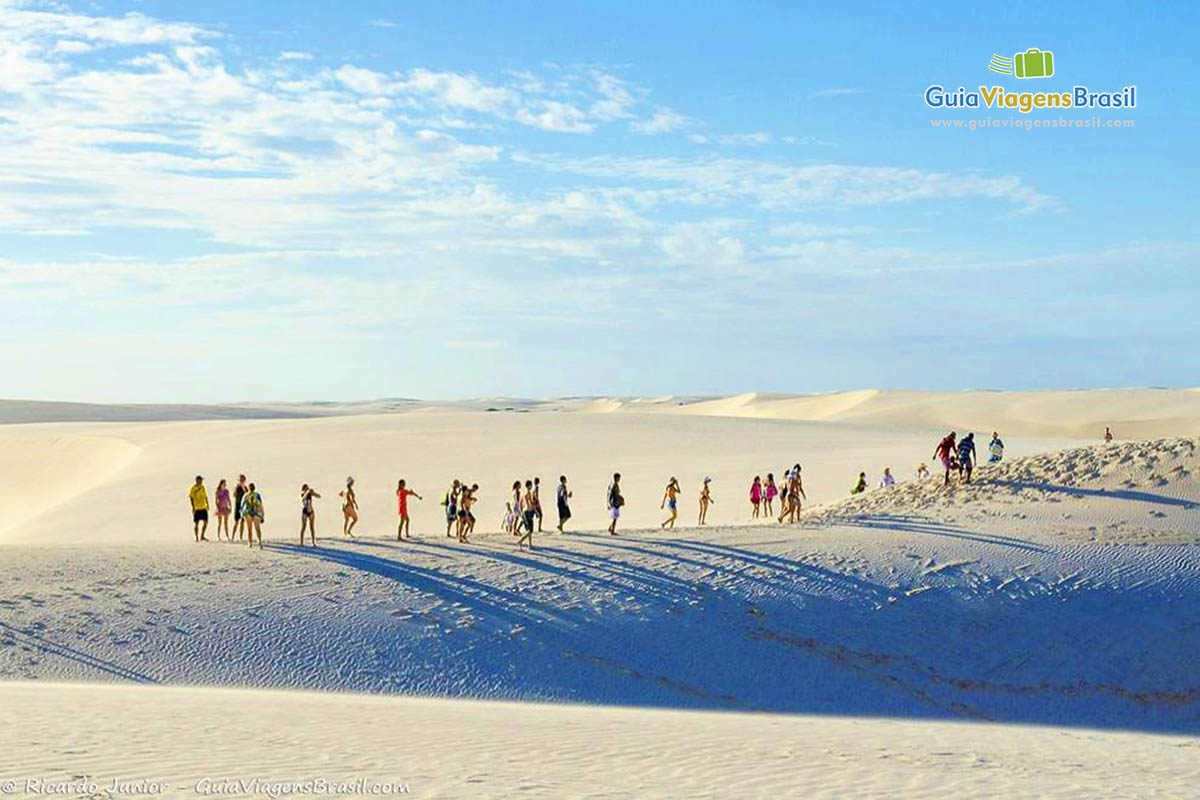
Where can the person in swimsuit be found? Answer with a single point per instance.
(705, 500)
(756, 496)
(224, 506)
(563, 500)
(518, 504)
(402, 495)
(198, 500)
(308, 514)
(466, 518)
(615, 501)
(450, 501)
(670, 501)
(253, 514)
(349, 508)
(528, 515)
(537, 502)
(769, 494)
(239, 492)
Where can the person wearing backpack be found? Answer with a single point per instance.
(615, 501)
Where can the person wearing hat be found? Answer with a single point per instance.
(349, 508)
(198, 498)
(705, 499)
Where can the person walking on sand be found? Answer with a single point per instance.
(670, 501)
(1108, 437)
(466, 517)
(705, 500)
(253, 514)
(967, 456)
(450, 501)
(402, 495)
(239, 492)
(756, 496)
(518, 504)
(944, 452)
(790, 505)
(615, 501)
(224, 505)
(861, 486)
(308, 514)
(528, 515)
(887, 481)
(562, 498)
(537, 502)
(349, 508)
(770, 492)
(198, 500)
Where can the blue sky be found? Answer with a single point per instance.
(234, 201)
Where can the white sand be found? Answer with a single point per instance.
(1060, 591)
(445, 748)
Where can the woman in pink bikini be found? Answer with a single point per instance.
(224, 506)
(770, 492)
(755, 496)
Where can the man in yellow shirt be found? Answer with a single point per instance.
(198, 497)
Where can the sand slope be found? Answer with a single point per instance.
(462, 749)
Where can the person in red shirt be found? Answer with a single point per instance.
(945, 453)
(402, 493)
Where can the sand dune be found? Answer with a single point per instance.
(462, 749)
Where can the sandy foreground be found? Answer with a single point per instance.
(1036, 633)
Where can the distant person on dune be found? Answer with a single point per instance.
(756, 497)
(528, 516)
(615, 501)
(770, 492)
(967, 456)
(239, 492)
(402, 495)
(224, 505)
(705, 501)
(861, 486)
(922, 471)
(198, 500)
(887, 481)
(945, 453)
(349, 508)
(670, 501)
(995, 449)
(308, 514)
(1108, 437)
(563, 501)
(253, 514)
(450, 501)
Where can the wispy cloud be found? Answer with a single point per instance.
(825, 93)
(381, 23)
(664, 121)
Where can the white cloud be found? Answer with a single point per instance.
(381, 23)
(664, 121)
(294, 55)
(826, 93)
(746, 139)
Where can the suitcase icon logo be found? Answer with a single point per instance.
(1033, 63)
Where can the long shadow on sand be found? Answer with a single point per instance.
(692, 623)
(72, 654)
(904, 524)
(1116, 494)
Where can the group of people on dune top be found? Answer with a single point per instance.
(524, 515)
